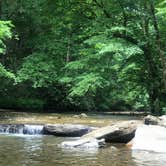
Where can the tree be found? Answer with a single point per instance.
(91, 54)
(5, 33)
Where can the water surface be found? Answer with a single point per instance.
(21, 150)
(39, 150)
(93, 119)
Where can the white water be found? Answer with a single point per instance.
(150, 138)
(21, 129)
(33, 129)
(93, 143)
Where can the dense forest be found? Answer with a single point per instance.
(97, 55)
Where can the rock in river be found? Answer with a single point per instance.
(66, 130)
(152, 120)
(121, 132)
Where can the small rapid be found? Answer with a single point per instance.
(25, 129)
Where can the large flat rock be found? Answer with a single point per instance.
(66, 130)
(121, 132)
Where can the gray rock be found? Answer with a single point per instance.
(66, 130)
(151, 120)
(121, 132)
(83, 115)
(163, 118)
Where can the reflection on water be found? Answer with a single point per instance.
(43, 151)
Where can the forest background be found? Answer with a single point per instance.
(91, 55)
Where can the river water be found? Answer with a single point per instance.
(24, 150)
(40, 150)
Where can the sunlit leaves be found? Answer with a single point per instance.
(5, 33)
(87, 83)
(5, 73)
(39, 70)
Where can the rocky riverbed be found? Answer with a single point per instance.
(91, 119)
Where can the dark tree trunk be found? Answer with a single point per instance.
(68, 50)
(158, 41)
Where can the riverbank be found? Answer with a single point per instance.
(92, 119)
(128, 113)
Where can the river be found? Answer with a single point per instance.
(21, 150)
(40, 150)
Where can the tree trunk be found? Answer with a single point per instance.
(154, 82)
(68, 50)
(158, 41)
(0, 9)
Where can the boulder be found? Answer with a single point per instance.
(152, 120)
(82, 115)
(66, 130)
(121, 132)
(163, 120)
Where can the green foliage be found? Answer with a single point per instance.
(87, 83)
(81, 54)
(22, 103)
(37, 68)
(161, 8)
(5, 33)
(5, 73)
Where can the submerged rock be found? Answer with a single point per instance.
(121, 132)
(66, 130)
(84, 143)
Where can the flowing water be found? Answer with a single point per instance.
(21, 150)
(26, 146)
